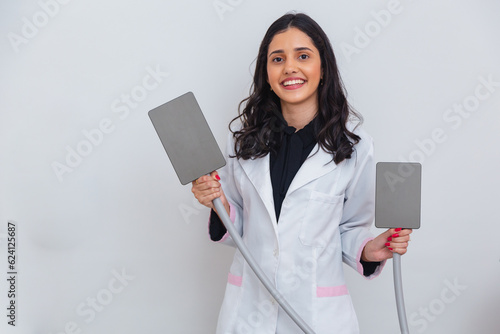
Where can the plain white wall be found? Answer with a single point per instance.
(112, 243)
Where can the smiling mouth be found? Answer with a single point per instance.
(293, 82)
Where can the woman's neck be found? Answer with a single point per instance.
(299, 116)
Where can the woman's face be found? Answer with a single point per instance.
(294, 68)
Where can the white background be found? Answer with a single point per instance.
(122, 210)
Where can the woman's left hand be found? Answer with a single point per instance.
(394, 240)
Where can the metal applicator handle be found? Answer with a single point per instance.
(398, 288)
(221, 210)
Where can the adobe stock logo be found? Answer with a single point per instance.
(223, 6)
(97, 303)
(437, 306)
(454, 117)
(363, 37)
(121, 107)
(31, 27)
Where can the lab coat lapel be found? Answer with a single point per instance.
(316, 165)
(257, 171)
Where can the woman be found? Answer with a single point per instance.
(299, 187)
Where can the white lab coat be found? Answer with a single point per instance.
(325, 219)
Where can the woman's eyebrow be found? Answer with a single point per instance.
(302, 48)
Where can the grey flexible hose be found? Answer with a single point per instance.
(398, 288)
(257, 270)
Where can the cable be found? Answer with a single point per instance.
(398, 288)
(257, 270)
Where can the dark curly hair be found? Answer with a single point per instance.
(261, 129)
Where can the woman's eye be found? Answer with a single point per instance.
(277, 59)
(303, 57)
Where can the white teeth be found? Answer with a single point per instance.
(293, 82)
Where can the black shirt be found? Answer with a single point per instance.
(284, 164)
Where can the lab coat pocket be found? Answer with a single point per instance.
(321, 219)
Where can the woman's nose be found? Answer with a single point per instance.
(290, 66)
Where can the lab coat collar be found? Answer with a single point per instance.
(316, 165)
(257, 170)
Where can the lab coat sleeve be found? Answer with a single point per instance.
(229, 186)
(359, 207)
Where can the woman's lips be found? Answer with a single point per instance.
(293, 83)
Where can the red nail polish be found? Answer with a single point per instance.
(395, 235)
(389, 239)
(387, 243)
(217, 177)
(398, 229)
(390, 248)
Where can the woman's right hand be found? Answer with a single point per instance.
(207, 188)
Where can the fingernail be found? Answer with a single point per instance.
(389, 239)
(398, 229)
(395, 235)
(217, 177)
(387, 243)
(390, 248)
